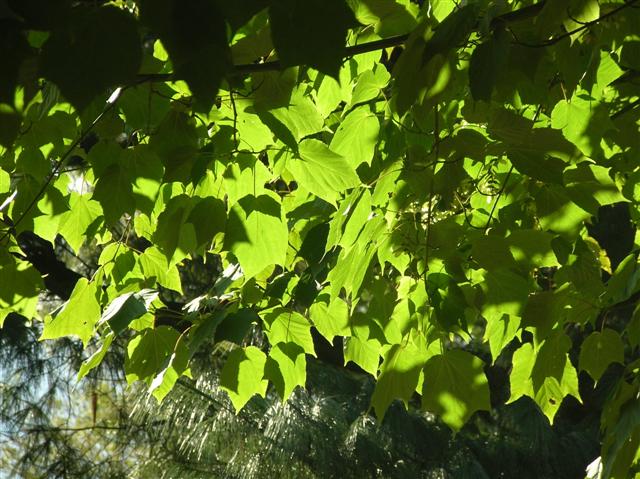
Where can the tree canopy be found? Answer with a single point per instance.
(423, 192)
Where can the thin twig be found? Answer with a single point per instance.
(583, 26)
(625, 109)
(59, 164)
(427, 231)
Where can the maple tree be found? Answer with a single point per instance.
(429, 188)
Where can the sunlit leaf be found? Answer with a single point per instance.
(242, 375)
(455, 386)
(78, 316)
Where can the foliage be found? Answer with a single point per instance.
(430, 188)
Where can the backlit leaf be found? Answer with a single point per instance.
(78, 316)
(256, 233)
(455, 386)
(242, 375)
(322, 171)
(286, 368)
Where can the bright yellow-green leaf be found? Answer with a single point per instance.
(284, 326)
(176, 366)
(363, 352)
(154, 264)
(78, 316)
(357, 136)
(20, 284)
(330, 318)
(545, 374)
(399, 374)
(286, 368)
(257, 234)
(96, 358)
(322, 171)
(82, 214)
(147, 353)
(500, 330)
(242, 375)
(455, 387)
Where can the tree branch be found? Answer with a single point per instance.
(275, 65)
(33, 430)
(584, 26)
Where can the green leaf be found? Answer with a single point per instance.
(10, 122)
(295, 120)
(581, 11)
(590, 186)
(545, 374)
(500, 331)
(176, 143)
(364, 353)
(78, 316)
(328, 95)
(154, 264)
(599, 350)
(369, 85)
(455, 386)
(556, 212)
(177, 365)
(633, 328)
(423, 70)
(492, 252)
(505, 293)
(322, 171)
(148, 352)
(257, 234)
(195, 37)
(350, 269)
(532, 248)
(520, 379)
(126, 308)
(114, 192)
(20, 284)
(298, 29)
(399, 375)
(488, 61)
(330, 318)
(357, 136)
(242, 375)
(621, 421)
(75, 223)
(96, 358)
(235, 326)
(175, 237)
(356, 218)
(245, 176)
(388, 18)
(583, 122)
(286, 368)
(99, 45)
(283, 326)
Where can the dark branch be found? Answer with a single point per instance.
(58, 279)
(275, 65)
(584, 26)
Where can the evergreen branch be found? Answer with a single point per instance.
(35, 430)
